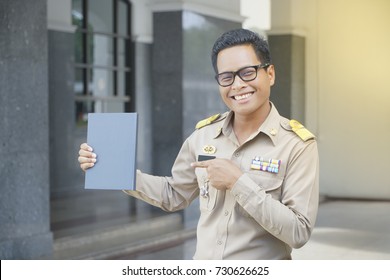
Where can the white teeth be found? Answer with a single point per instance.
(239, 97)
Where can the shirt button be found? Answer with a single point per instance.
(226, 213)
(219, 242)
(237, 154)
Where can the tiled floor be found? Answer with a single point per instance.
(345, 229)
(350, 229)
(109, 224)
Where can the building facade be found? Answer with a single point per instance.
(62, 59)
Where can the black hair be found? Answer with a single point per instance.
(238, 37)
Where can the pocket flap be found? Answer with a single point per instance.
(268, 182)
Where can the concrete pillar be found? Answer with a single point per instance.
(288, 56)
(65, 137)
(167, 96)
(184, 89)
(24, 138)
(287, 45)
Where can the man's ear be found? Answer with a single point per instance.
(271, 74)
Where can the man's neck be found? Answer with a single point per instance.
(245, 125)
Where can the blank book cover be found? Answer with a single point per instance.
(113, 137)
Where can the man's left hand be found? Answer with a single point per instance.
(222, 173)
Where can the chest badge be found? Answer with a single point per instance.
(268, 165)
(209, 149)
(204, 190)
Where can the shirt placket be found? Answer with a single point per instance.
(223, 225)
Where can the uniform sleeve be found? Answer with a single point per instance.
(169, 193)
(292, 218)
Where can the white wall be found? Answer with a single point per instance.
(354, 97)
(143, 13)
(257, 15)
(347, 89)
(59, 15)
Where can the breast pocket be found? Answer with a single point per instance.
(270, 183)
(207, 201)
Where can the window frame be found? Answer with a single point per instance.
(86, 67)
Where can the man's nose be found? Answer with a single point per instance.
(238, 82)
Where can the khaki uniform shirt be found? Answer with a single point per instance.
(266, 213)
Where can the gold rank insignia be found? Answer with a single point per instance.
(207, 121)
(208, 149)
(301, 131)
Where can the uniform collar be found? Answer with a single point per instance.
(270, 126)
(225, 127)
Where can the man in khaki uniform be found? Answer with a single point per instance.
(255, 172)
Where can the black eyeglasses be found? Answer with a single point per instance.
(246, 74)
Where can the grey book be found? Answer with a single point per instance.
(113, 137)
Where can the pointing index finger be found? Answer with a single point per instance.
(200, 164)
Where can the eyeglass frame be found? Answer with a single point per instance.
(237, 73)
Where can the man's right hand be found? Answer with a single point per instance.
(86, 157)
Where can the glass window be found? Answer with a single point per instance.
(101, 56)
(121, 78)
(123, 18)
(101, 84)
(79, 82)
(77, 13)
(100, 15)
(102, 50)
(122, 47)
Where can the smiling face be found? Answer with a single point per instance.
(246, 99)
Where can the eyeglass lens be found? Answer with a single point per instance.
(246, 74)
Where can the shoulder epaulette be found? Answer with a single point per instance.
(301, 131)
(207, 121)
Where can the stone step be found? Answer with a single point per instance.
(147, 246)
(128, 239)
